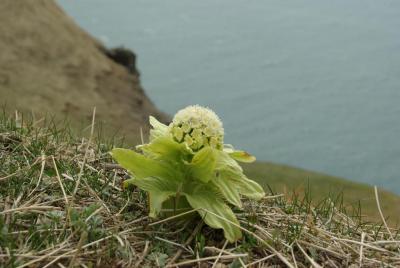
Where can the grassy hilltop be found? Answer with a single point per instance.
(61, 204)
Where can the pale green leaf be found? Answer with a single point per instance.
(214, 211)
(159, 189)
(155, 184)
(228, 148)
(228, 189)
(244, 185)
(230, 169)
(156, 200)
(142, 167)
(225, 161)
(167, 149)
(242, 156)
(158, 130)
(203, 164)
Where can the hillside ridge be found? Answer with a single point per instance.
(51, 66)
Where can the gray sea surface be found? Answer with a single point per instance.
(313, 84)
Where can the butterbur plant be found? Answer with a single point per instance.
(186, 165)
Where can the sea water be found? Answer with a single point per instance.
(314, 84)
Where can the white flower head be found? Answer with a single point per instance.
(198, 127)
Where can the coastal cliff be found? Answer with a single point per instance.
(50, 66)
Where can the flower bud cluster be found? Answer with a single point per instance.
(197, 127)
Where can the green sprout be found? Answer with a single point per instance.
(186, 165)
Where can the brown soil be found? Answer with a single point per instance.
(48, 65)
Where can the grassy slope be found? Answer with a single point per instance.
(286, 179)
(55, 210)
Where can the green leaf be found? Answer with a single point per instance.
(213, 210)
(156, 199)
(203, 164)
(230, 169)
(244, 185)
(159, 179)
(160, 189)
(155, 184)
(142, 167)
(166, 148)
(224, 160)
(242, 156)
(158, 130)
(228, 189)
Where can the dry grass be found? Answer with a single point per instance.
(61, 205)
(353, 195)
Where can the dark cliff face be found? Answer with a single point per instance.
(124, 57)
(48, 65)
